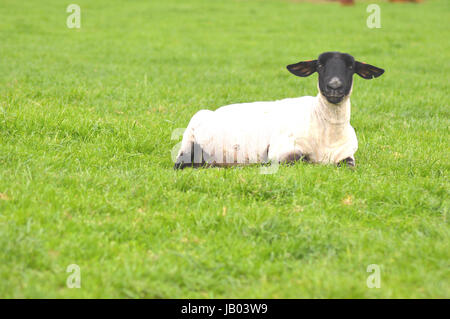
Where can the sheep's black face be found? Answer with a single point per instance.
(335, 73)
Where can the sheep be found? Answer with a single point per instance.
(311, 129)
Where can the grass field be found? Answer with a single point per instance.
(86, 178)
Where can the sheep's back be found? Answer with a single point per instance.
(245, 130)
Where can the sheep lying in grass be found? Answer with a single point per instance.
(314, 129)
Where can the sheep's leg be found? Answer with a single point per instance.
(349, 161)
(185, 155)
(284, 150)
(191, 153)
(290, 158)
(190, 156)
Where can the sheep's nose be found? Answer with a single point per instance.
(335, 83)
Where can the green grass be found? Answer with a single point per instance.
(86, 177)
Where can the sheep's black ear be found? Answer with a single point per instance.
(367, 71)
(304, 68)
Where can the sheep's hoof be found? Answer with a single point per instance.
(183, 165)
(293, 157)
(178, 166)
(349, 161)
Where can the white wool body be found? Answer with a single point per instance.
(261, 132)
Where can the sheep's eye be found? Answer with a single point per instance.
(350, 67)
(319, 65)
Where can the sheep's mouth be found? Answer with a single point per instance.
(334, 98)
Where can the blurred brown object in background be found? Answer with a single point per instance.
(352, 2)
(416, 1)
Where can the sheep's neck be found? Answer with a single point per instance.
(334, 114)
(334, 119)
